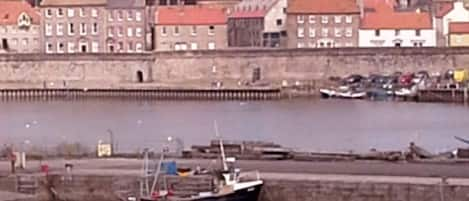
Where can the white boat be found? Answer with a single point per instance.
(352, 95)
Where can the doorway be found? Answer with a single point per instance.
(139, 76)
(4, 44)
(83, 48)
(256, 74)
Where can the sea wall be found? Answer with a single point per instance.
(204, 67)
(326, 188)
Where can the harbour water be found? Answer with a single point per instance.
(308, 125)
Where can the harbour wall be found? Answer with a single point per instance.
(326, 188)
(199, 69)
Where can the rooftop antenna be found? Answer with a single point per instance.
(222, 150)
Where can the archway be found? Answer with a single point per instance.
(139, 76)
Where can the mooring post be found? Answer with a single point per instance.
(465, 95)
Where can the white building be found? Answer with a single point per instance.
(382, 26)
(446, 13)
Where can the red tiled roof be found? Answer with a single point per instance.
(11, 10)
(459, 27)
(380, 14)
(323, 6)
(190, 15)
(443, 8)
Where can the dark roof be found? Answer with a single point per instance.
(125, 3)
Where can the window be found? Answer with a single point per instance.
(300, 45)
(338, 19)
(120, 46)
(129, 32)
(71, 29)
(211, 45)
(14, 41)
(348, 19)
(194, 46)
(397, 32)
(82, 12)
(60, 12)
(176, 30)
(138, 47)
(312, 32)
(24, 41)
(60, 29)
(301, 32)
(49, 47)
(110, 16)
(120, 15)
(324, 19)
(279, 22)
(49, 13)
(311, 45)
(300, 19)
(82, 29)
(138, 16)
(130, 47)
(48, 29)
(120, 31)
(417, 32)
(312, 19)
(129, 15)
(211, 30)
(163, 31)
(138, 32)
(94, 31)
(70, 12)
(94, 46)
(71, 47)
(348, 32)
(377, 32)
(325, 32)
(284, 10)
(110, 31)
(338, 32)
(194, 30)
(94, 12)
(60, 47)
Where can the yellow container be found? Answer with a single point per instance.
(461, 75)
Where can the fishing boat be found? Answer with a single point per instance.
(230, 188)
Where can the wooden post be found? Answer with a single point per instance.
(465, 95)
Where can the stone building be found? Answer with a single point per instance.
(323, 24)
(185, 28)
(126, 26)
(72, 26)
(258, 23)
(19, 27)
(384, 26)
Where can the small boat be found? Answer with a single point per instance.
(352, 95)
(327, 93)
(230, 186)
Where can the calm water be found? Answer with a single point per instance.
(314, 125)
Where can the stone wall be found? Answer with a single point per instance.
(276, 190)
(104, 188)
(227, 65)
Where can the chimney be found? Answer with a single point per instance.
(361, 6)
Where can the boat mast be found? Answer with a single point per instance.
(222, 150)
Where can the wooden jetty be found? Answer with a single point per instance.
(157, 94)
(443, 95)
